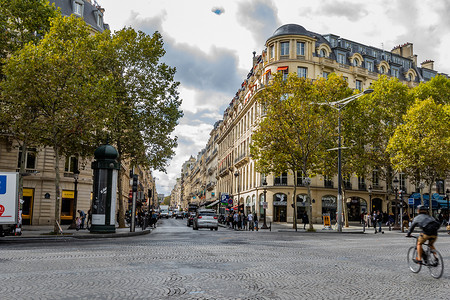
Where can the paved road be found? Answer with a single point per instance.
(176, 262)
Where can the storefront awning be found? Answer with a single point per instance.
(213, 204)
(282, 68)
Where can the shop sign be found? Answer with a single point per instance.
(280, 203)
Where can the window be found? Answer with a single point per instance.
(281, 180)
(284, 48)
(361, 183)
(359, 85)
(375, 178)
(341, 58)
(302, 72)
(300, 48)
(325, 75)
(382, 70)
(327, 182)
(402, 182)
(300, 178)
(440, 186)
(99, 20)
(71, 164)
(369, 66)
(30, 159)
(395, 73)
(356, 62)
(78, 6)
(323, 53)
(271, 51)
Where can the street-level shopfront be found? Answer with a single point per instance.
(280, 207)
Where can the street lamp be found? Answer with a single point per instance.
(265, 203)
(447, 193)
(339, 105)
(369, 189)
(395, 186)
(236, 175)
(76, 174)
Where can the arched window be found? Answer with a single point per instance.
(323, 53)
(356, 62)
(383, 70)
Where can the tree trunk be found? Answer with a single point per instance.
(344, 208)
(57, 192)
(430, 202)
(294, 201)
(22, 171)
(121, 214)
(309, 210)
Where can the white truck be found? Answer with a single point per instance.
(164, 211)
(10, 216)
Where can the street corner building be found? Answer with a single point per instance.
(223, 174)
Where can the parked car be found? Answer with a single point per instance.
(205, 218)
(190, 218)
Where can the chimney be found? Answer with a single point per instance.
(255, 59)
(428, 64)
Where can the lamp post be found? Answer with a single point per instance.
(369, 189)
(395, 186)
(339, 105)
(401, 209)
(76, 174)
(236, 175)
(264, 204)
(447, 193)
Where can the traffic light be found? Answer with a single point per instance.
(135, 182)
(149, 193)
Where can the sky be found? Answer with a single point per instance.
(210, 42)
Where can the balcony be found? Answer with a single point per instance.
(362, 187)
(241, 160)
(210, 185)
(347, 185)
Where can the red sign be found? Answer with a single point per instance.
(2, 210)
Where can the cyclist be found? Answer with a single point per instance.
(429, 228)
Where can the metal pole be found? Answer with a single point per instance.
(265, 223)
(339, 216)
(401, 209)
(133, 213)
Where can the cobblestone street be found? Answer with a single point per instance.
(176, 262)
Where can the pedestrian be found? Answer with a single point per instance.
(251, 224)
(82, 217)
(239, 221)
(255, 218)
(405, 223)
(379, 221)
(89, 219)
(78, 223)
(305, 219)
(367, 219)
(244, 221)
(235, 220)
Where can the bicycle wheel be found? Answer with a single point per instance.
(412, 254)
(435, 264)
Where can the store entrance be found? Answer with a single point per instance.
(280, 214)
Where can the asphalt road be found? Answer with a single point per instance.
(176, 262)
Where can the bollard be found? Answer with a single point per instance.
(364, 226)
(270, 227)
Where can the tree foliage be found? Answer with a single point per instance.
(295, 133)
(60, 82)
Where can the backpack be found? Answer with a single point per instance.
(431, 228)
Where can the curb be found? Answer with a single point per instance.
(66, 238)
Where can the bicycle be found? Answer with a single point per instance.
(430, 258)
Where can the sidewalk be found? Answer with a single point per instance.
(45, 233)
(319, 228)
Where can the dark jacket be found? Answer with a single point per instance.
(422, 220)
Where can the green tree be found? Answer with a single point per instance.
(295, 133)
(61, 80)
(421, 146)
(369, 123)
(21, 22)
(146, 101)
(438, 88)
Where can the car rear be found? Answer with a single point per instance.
(206, 219)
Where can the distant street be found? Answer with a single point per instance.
(176, 262)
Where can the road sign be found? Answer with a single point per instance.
(230, 201)
(224, 198)
(411, 201)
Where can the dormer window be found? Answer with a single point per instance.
(323, 53)
(99, 18)
(355, 62)
(78, 7)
